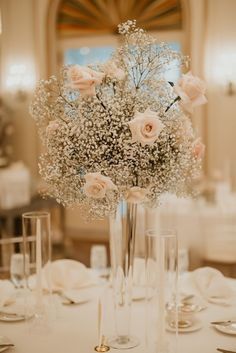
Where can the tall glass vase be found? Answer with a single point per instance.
(37, 249)
(161, 290)
(122, 243)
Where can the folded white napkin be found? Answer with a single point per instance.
(7, 293)
(213, 286)
(65, 275)
(69, 274)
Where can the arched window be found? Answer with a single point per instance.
(87, 17)
(86, 30)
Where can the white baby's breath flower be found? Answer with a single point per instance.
(111, 69)
(89, 128)
(136, 195)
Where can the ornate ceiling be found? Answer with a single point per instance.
(89, 17)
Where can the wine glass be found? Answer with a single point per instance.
(17, 271)
(98, 260)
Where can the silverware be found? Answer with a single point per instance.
(13, 316)
(224, 350)
(4, 349)
(10, 314)
(68, 299)
(187, 298)
(224, 323)
(65, 297)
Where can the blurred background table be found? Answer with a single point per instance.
(11, 221)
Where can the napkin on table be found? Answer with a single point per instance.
(65, 274)
(70, 274)
(67, 277)
(213, 286)
(7, 293)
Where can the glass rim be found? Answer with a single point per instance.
(36, 214)
(163, 233)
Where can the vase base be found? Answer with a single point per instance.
(123, 342)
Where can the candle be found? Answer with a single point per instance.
(101, 338)
(161, 340)
(38, 265)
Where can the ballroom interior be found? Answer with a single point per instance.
(41, 38)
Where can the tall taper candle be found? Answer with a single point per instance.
(39, 288)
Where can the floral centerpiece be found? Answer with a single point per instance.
(119, 130)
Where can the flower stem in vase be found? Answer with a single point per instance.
(122, 241)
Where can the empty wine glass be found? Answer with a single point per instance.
(98, 259)
(12, 267)
(17, 273)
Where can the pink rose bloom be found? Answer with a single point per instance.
(110, 69)
(198, 149)
(84, 79)
(52, 127)
(136, 194)
(191, 89)
(145, 127)
(97, 185)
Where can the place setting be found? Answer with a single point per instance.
(12, 295)
(225, 326)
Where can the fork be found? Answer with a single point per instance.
(67, 298)
(224, 350)
(224, 323)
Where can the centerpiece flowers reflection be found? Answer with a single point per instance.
(118, 134)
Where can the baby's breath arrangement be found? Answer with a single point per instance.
(119, 130)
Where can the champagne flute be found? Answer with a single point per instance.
(17, 273)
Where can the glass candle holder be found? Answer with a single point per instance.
(122, 245)
(161, 289)
(37, 248)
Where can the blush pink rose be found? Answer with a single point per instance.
(84, 79)
(198, 149)
(145, 127)
(136, 194)
(191, 89)
(97, 185)
(52, 127)
(110, 69)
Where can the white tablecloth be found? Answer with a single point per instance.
(74, 330)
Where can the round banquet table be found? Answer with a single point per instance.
(74, 329)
